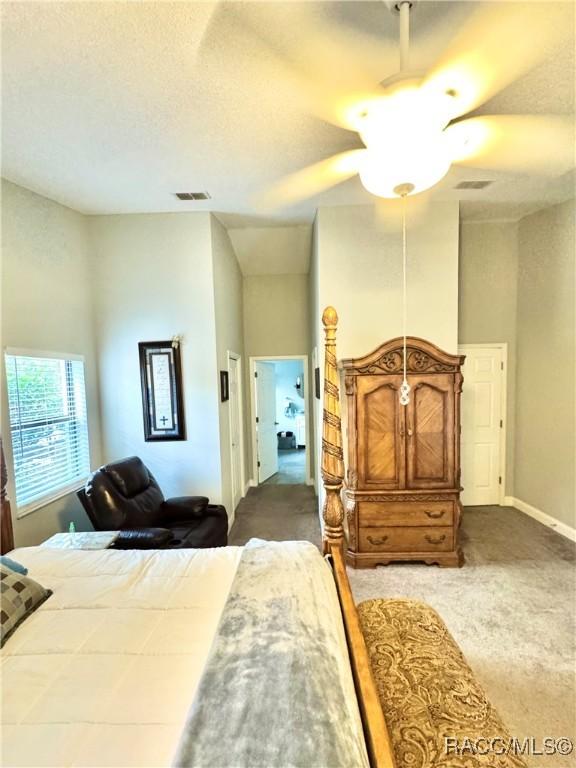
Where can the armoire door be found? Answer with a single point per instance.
(430, 432)
(380, 432)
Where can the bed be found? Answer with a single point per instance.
(234, 656)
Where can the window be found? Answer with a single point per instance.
(48, 425)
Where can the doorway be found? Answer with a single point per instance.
(279, 395)
(483, 438)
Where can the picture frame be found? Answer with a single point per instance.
(162, 400)
(317, 382)
(224, 386)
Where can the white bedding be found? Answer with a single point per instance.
(105, 671)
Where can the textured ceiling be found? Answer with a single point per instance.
(111, 107)
(273, 250)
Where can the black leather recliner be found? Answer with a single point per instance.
(124, 496)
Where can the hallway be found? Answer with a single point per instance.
(291, 468)
(280, 513)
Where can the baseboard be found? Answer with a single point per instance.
(251, 484)
(542, 517)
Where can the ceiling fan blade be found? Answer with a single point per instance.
(541, 144)
(497, 45)
(312, 180)
(388, 212)
(334, 71)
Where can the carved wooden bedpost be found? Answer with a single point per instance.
(377, 738)
(332, 455)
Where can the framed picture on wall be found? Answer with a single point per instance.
(161, 379)
(224, 386)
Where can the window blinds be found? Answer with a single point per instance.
(48, 424)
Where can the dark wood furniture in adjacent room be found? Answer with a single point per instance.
(403, 481)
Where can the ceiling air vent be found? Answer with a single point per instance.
(192, 195)
(473, 184)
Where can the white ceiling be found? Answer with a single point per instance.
(111, 107)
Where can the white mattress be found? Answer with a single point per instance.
(105, 671)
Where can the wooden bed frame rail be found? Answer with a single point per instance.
(378, 742)
(6, 531)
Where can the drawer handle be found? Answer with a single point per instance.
(437, 540)
(376, 542)
(435, 515)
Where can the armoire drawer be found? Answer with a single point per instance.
(438, 539)
(405, 513)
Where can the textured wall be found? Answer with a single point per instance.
(276, 314)
(487, 304)
(360, 274)
(276, 321)
(154, 279)
(47, 305)
(228, 304)
(544, 471)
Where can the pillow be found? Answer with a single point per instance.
(19, 598)
(13, 565)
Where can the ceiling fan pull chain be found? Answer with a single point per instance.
(405, 388)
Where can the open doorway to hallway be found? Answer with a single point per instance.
(279, 430)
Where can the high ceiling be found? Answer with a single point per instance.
(111, 107)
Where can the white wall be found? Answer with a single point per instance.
(47, 305)
(360, 274)
(276, 315)
(488, 302)
(276, 321)
(357, 268)
(153, 278)
(545, 450)
(228, 303)
(286, 373)
(316, 359)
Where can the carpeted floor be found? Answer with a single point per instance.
(278, 512)
(511, 607)
(291, 468)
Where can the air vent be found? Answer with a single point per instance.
(473, 184)
(192, 195)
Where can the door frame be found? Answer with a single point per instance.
(272, 359)
(503, 347)
(238, 358)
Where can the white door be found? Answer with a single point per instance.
(235, 429)
(267, 440)
(481, 425)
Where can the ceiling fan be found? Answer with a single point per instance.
(414, 126)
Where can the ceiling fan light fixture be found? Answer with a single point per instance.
(404, 103)
(416, 162)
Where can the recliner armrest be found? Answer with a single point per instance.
(182, 508)
(143, 538)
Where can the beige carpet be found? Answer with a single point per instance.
(511, 607)
(278, 512)
(291, 468)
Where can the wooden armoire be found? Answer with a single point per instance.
(403, 483)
